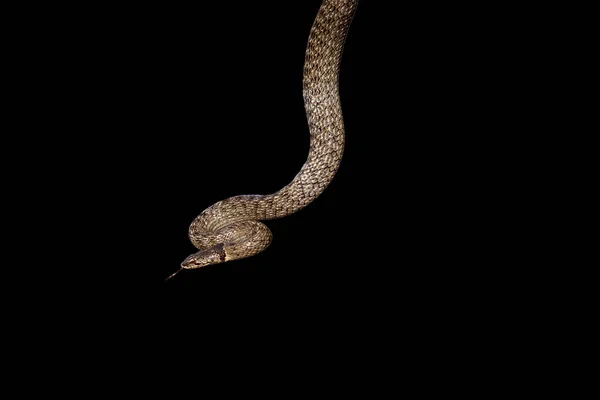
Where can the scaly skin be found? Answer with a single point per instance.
(230, 229)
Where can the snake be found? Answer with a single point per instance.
(231, 229)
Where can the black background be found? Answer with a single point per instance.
(136, 118)
(162, 110)
(159, 111)
(184, 106)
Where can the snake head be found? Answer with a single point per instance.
(235, 241)
(212, 255)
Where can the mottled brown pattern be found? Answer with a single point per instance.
(231, 226)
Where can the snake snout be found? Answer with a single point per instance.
(213, 255)
(189, 261)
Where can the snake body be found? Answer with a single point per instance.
(231, 229)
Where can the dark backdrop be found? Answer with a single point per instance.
(193, 104)
(155, 112)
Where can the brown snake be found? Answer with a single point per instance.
(230, 229)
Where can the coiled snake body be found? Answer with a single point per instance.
(230, 229)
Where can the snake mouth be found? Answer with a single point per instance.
(188, 261)
(212, 255)
(194, 260)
